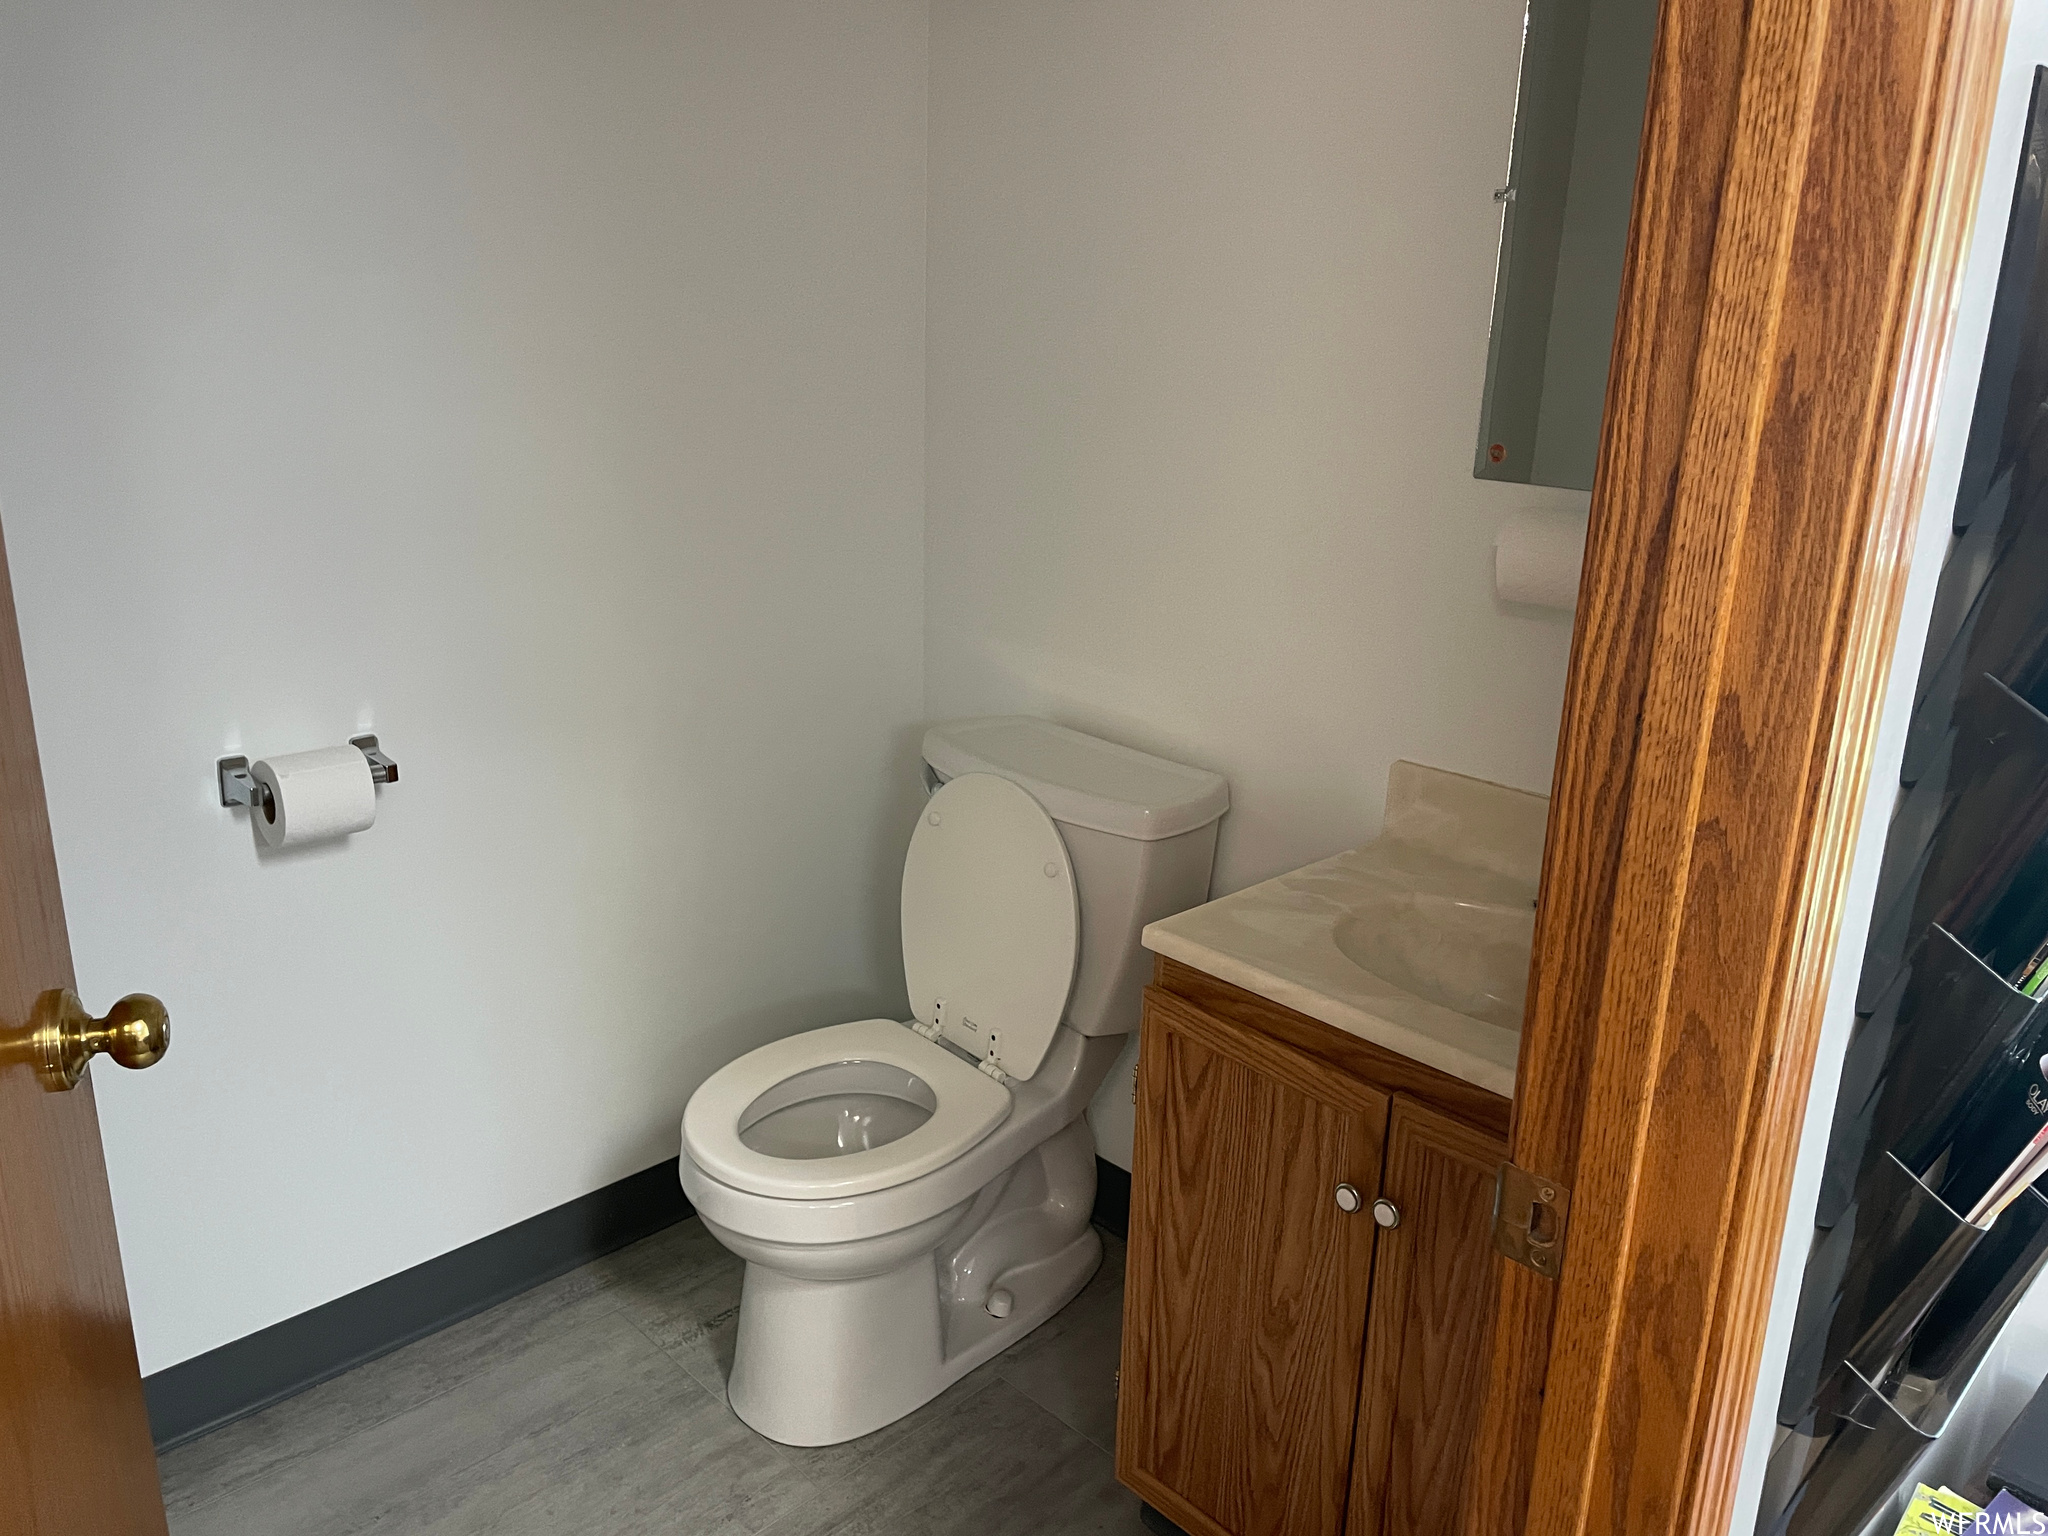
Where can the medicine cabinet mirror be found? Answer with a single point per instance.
(1564, 228)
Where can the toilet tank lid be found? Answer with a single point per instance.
(1081, 780)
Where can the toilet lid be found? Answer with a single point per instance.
(991, 925)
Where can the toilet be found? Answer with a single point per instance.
(912, 1197)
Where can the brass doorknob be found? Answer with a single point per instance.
(63, 1038)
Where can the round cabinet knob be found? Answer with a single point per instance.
(1386, 1213)
(1348, 1198)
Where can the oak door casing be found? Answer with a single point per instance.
(1802, 210)
(1245, 1299)
(1434, 1287)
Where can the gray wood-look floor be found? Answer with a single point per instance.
(595, 1405)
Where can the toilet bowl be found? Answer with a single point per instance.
(911, 1198)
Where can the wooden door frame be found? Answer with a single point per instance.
(1804, 200)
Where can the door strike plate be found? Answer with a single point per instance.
(1529, 1217)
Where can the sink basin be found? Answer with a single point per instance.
(1417, 941)
(1470, 956)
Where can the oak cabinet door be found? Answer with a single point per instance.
(1432, 1308)
(1245, 1301)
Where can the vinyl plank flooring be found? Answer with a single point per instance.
(659, 1456)
(595, 1406)
(831, 1465)
(996, 1465)
(682, 1288)
(375, 1477)
(360, 1399)
(1068, 1364)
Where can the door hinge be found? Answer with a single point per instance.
(1530, 1213)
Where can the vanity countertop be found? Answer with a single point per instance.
(1417, 941)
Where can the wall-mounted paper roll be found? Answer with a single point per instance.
(314, 795)
(1536, 559)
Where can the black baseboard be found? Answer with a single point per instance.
(1112, 1198)
(209, 1390)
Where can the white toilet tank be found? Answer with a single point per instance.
(1140, 830)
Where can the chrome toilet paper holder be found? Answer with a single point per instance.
(238, 786)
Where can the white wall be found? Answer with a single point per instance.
(540, 384)
(545, 386)
(1210, 288)
(2020, 1358)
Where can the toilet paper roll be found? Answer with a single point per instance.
(314, 795)
(1536, 559)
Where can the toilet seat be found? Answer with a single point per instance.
(970, 1104)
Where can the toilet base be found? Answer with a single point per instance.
(1040, 1289)
(823, 1360)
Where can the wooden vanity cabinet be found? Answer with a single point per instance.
(1433, 1286)
(1291, 1366)
(1246, 1284)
